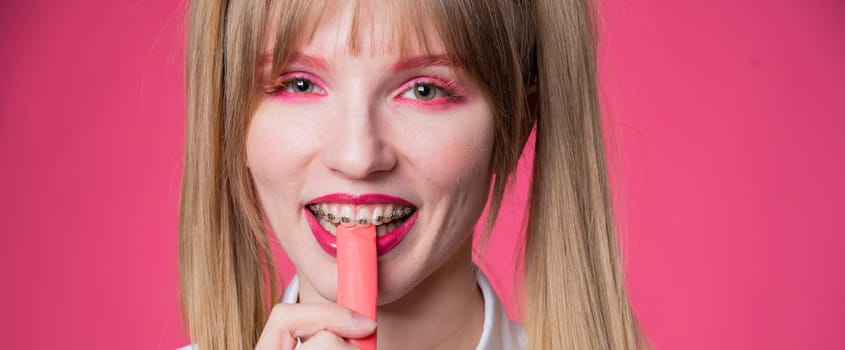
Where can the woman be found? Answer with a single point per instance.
(305, 115)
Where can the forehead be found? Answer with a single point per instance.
(354, 28)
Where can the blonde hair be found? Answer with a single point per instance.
(575, 295)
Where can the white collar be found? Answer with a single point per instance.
(499, 332)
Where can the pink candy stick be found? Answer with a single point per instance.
(357, 275)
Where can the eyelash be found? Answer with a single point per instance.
(448, 88)
(279, 85)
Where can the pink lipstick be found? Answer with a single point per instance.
(320, 218)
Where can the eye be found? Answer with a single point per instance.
(303, 86)
(424, 91)
(297, 85)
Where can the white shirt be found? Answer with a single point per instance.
(499, 332)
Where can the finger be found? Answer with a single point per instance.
(304, 320)
(289, 321)
(325, 340)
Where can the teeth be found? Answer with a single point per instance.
(385, 218)
(388, 213)
(324, 211)
(360, 215)
(377, 218)
(328, 226)
(363, 217)
(346, 216)
(334, 213)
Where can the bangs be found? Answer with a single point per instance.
(475, 34)
(389, 26)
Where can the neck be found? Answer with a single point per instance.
(445, 311)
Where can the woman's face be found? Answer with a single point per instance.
(366, 136)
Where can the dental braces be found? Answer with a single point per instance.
(399, 213)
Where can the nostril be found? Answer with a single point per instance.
(360, 155)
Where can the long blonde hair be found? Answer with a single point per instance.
(574, 293)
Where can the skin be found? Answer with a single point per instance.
(361, 129)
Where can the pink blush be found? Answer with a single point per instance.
(438, 104)
(294, 97)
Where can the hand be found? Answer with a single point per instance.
(320, 326)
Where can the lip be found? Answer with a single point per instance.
(367, 198)
(384, 244)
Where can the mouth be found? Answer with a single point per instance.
(392, 217)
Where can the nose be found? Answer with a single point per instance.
(359, 147)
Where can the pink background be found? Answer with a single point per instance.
(727, 171)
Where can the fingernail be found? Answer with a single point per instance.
(362, 321)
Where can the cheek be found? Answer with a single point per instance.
(460, 162)
(277, 152)
(456, 158)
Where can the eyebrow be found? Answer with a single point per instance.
(424, 61)
(296, 57)
(409, 63)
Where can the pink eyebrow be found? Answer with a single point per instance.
(423, 61)
(299, 58)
